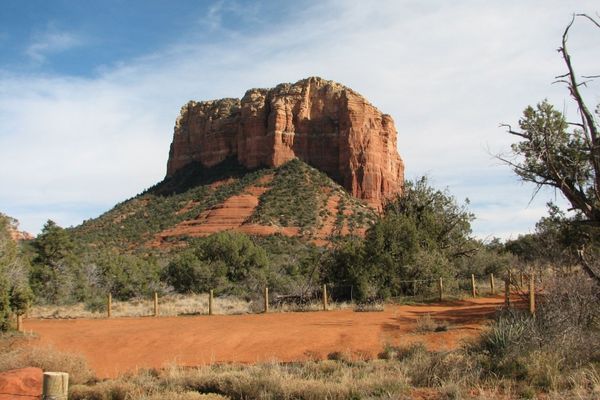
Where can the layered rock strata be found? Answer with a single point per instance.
(323, 123)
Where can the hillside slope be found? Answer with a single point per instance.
(293, 199)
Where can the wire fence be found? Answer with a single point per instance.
(309, 298)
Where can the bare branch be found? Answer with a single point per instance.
(590, 18)
(521, 134)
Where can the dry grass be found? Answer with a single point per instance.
(169, 305)
(176, 304)
(411, 372)
(16, 351)
(311, 380)
(403, 373)
(428, 324)
(312, 306)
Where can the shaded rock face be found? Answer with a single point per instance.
(323, 123)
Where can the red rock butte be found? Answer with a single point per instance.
(323, 123)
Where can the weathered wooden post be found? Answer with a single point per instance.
(473, 288)
(532, 294)
(55, 386)
(19, 322)
(441, 288)
(210, 302)
(507, 291)
(266, 300)
(155, 304)
(324, 297)
(492, 284)
(109, 306)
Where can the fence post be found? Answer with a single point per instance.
(109, 306)
(441, 288)
(155, 304)
(19, 322)
(266, 300)
(324, 297)
(507, 291)
(55, 386)
(492, 284)
(532, 294)
(473, 288)
(210, 302)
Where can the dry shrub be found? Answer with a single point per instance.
(373, 306)
(542, 352)
(568, 319)
(170, 305)
(184, 396)
(428, 324)
(108, 390)
(311, 380)
(48, 359)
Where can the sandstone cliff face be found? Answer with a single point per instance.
(321, 122)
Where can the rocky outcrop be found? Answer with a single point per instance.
(323, 123)
(13, 229)
(21, 384)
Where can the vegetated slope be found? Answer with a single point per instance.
(293, 199)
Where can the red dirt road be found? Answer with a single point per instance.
(120, 345)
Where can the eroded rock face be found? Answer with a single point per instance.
(323, 123)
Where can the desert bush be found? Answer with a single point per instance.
(427, 324)
(541, 351)
(47, 359)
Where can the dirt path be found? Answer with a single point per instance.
(126, 344)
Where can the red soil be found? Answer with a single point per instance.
(21, 383)
(233, 214)
(116, 346)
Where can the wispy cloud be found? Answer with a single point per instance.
(447, 73)
(51, 41)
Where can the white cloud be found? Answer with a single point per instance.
(51, 41)
(447, 73)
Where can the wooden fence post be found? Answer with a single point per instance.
(532, 294)
(492, 284)
(109, 306)
(473, 288)
(324, 297)
(441, 289)
(19, 322)
(55, 386)
(155, 304)
(266, 300)
(210, 302)
(507, 291)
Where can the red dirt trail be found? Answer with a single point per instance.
(115, 346)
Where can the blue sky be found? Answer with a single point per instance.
(89, 91)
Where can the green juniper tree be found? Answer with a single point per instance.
(15, 294)
(554, 152)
